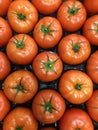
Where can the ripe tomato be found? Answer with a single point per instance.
(48, 128)
(48, 106)
(22, 16)
(20, 86)
(48, 32)
(5, 66)
(4, 5)
(92, 106)
(75, 119)
(21, 49)
(75, 86)
(74, 49)
(4, 105)
(5, 32)
(47, 66)
(90, 29)
(20, 118)
(91, 7)
(72, 15)
(92, 66)
(47, 6)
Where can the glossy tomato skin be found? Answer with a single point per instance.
(21, 49)
(4, 5)
(5, 65)
(47, 32)
(5, 105)
(92, 106)
(90, 29)
(22, 16)
(91, 7)
(72, 15)
(20, 86)
(20, 117)
(47, 66)
(74, 49)
(48, 106)
(74, 119)
(75, 86)
(92, 66)
(47, 6)
(5, 32)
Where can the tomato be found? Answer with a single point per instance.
(90, 29)
(92, 66)
(74, 49)
(48, 128)
(47, 66)
(91, 7)
(20, 118)
(5, 65)
(21, 49)
(22, 16)
(75, 86)
(5, 32)
(75, 119)
(4, 5)
(47, 32)
(20, 86)
(92, 106)
(72, 15)
(48, 106)
(4, 105)
(47, 6)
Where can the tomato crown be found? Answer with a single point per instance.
(19, 128)
(20, 16)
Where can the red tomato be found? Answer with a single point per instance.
(48, 128)
(21, 49)
(5, 66)
(48, 32)
(75, 86)
(20, 118)
(47, 66)
(20, 86)
(5, 32)
(47, 6)
(22, 16)
(92, 106)
(4, 105)
(90, 29)
(75, 119)
(91, 6)
(48, 106)
(72, 15)
(4, 5)
(74, 49)
(92, 66)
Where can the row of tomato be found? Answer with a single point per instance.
(43, 46)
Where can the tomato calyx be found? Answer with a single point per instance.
(78, 129)
(19, 44)
(73, 10)
(19, 128)
(47, 105)
(20, 16)
(19, 88)
(49, 65)
(78, 86)
(46, 29)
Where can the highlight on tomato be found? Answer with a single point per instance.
(47, 66)
(47, 32)
(48, 106)
(75, 86)
(22, 16)
(21, 49)
(20, 86)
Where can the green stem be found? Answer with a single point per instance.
(20, 16)
(78, 86)
(19, 128)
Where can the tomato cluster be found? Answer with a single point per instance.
(48, 65)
